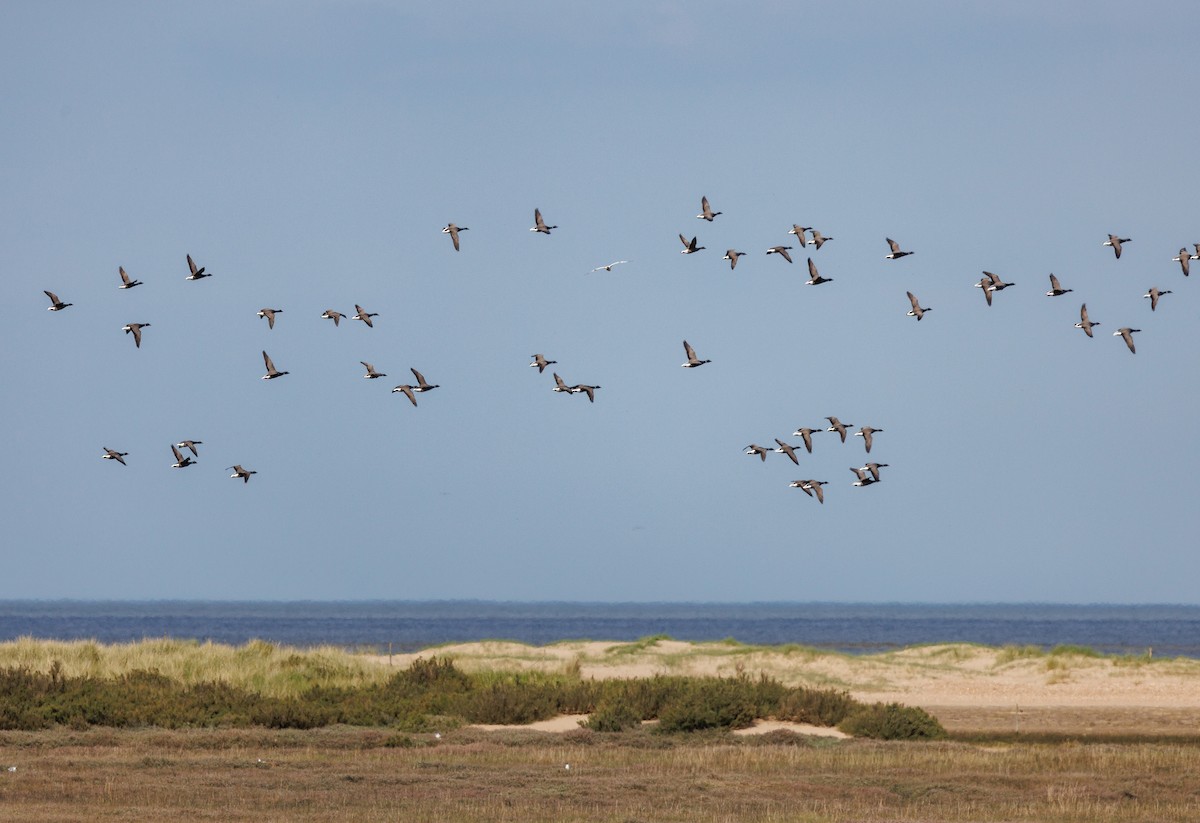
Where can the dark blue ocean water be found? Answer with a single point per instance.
(406, 626)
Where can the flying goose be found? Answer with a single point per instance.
(541, 362)
(579, 388)
(788, 449)
(181, 462)
(806, 436)
(371, 373)
(609, 267)
(706, 213)
(1154, 294)
(863, 479)
(364, 315)
(689, 248)
(136, 330)
(732, 256)
(1115, 242)
(335, 316)
(799, 232)
(815, 279)
(895, 253)
(1084, 323)
(1056, 289)
(272, 373)
(917, 311)
(811, 488)
(408, 392)
(782, 251)
(453, 231)
(997, 283)
(874, 468)
(190, 445)
(818, 239)
(270, 315)
(987, 287)
(1126, 334)
(761, 451)
(196, 273)
(692, 360)
(110, 454)
(238, 471)
(539, 225)
(55, 303)
(1182, 259)
(421, 384)
(126, 283)
(865, 433)
(838, 426)
(559, 385)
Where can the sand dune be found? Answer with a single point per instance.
(966, 686)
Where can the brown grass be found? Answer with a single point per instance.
(377, 775)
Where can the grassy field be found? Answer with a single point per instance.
(376, 775)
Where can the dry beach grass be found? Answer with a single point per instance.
(1126, 743)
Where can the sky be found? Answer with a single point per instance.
(308, 155)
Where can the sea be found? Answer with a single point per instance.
(404, 626)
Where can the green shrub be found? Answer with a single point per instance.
(710, 703)
(612, 716)
(892, 721)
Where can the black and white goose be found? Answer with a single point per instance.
(895, 253)
(1183, 259)
(866, 433)
(541, 362)
(1056, 289)
(692, 360)
(1126, 334)
(1115, 242)
(732, 256)
(1154, 294)
(806, 436)
(421, 384)
(689, 247)
(113, 454)
(270, 315)
(190, 445)
(181, 462)
(788, 449)
(539, 225)
(819, 239)
(196, 273)
(863, 478)
(838, 426)
(1085, 322)
(126, 283)
(364, 315)
(136, 330)
(986, 284)
(761, 451)
(335, 316)
(583, 388)
(559, 386)
(814, 277)
(371, 373)
(55, 303)
(874, 468)
(407, 391)
(799, 231)
(272, 372)
(238, 471)
(453, 231)
(706, 212)
(782, 251)
(916, 310)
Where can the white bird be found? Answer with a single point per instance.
(609, 267)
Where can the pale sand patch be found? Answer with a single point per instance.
(764, 726)
(562, 723)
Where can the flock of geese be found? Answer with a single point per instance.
(805, 236)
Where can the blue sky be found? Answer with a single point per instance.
(308, 154)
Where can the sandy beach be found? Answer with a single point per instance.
(967, 687)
